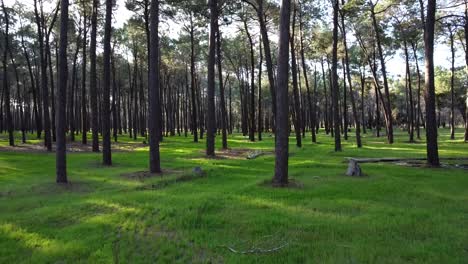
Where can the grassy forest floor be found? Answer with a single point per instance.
(120, 214)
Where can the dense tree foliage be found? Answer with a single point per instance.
(222, 67)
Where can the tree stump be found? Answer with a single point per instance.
(353, 168)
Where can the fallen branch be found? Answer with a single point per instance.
(257, 250)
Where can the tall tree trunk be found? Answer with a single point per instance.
(429, 93)
(350, 84)
(389, 118)
(335, 87)
(410, 95)
(106, 137)
(297, 103)
(71, 99)
(363, 86)
(6, 88)
(252, 82)
(61, 100)
(310, 104)
(282, 111)
(210, 115)
(84, 114)
(221, 88)
(43, 74)
(153, 93)
(326, 112)
(37, 115)
(465, 27)
(452, 84)
(192, 80)
(260, 114)
(418, 102)
(93, 78)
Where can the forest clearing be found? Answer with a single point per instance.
(233, 131)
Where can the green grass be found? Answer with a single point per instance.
(395, 214)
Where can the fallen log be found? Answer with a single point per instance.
(355, 170)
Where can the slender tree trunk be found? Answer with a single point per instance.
(221, 88)
(418, 112)
(6, 88)
(350, 84)
(389, 118)
(297, 103)
(282, 114)
(153, 93)
(192, 80)
(43, 74)
(452, 84)
(310, 104)
(363, 86)
(61, 100)
(93, 78)
(410, 95)
(335, 87)
(84, 114)
(106, 138)
(429, 93)
(260, 114)
(465, 27)
(252, 83)
(210, 115)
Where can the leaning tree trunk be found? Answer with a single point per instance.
(350, 84)
(389, 118)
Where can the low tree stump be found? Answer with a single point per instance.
(353, 168)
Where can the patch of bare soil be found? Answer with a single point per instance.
(72, 147)
(142, 175)
(239, 153)
(54, 188)
(292, 184)
(423, 164)
(170, 181)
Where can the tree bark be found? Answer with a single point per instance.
(210, 115)
(106, 137)
(297, 103)
(93, 78)
(282, 114)
(389, 118)
(84, 114)
(153, 93)
(61, 100)
(43, 74)
(429, 93)
(335, 87)
(6, 88)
